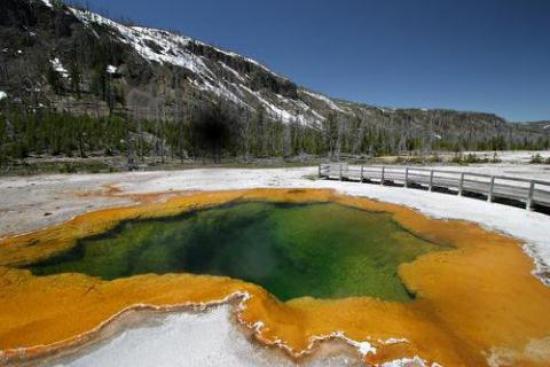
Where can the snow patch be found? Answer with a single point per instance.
(300, 105)
(236, 55)
(152, 44)
(273, 110)
(219, 90)
(47, 3)
(281, 114)
(111, 69)
(232, 71)
(58, 66)
(329, 102)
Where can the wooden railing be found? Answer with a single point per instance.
(529, 192)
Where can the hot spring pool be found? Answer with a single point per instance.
(293, 250)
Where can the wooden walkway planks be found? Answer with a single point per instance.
(528, 192)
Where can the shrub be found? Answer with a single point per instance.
(471, 158)
(435, 159)
(536, 159)
(68, 168)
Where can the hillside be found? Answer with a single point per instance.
(543, 126)
(75, 82)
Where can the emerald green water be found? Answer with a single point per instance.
(318, 250)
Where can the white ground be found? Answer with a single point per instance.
(187, 339)
(24, 201)
(521, 156)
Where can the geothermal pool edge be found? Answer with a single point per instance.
(511, 249)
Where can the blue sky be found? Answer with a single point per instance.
(484, 55)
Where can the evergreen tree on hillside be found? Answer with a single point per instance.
(54, 79)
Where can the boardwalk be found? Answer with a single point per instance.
(530, 193)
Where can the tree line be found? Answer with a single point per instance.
(216, 131)
(151, 110)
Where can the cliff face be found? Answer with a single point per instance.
(60, 58)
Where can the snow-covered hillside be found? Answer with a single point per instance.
(212, 75)
(151, 74)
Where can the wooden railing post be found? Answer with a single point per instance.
(530, 195)
(476, 185)
(491, 189)
(461, 184)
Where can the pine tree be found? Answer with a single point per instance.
(75, 75)
(54, 79)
